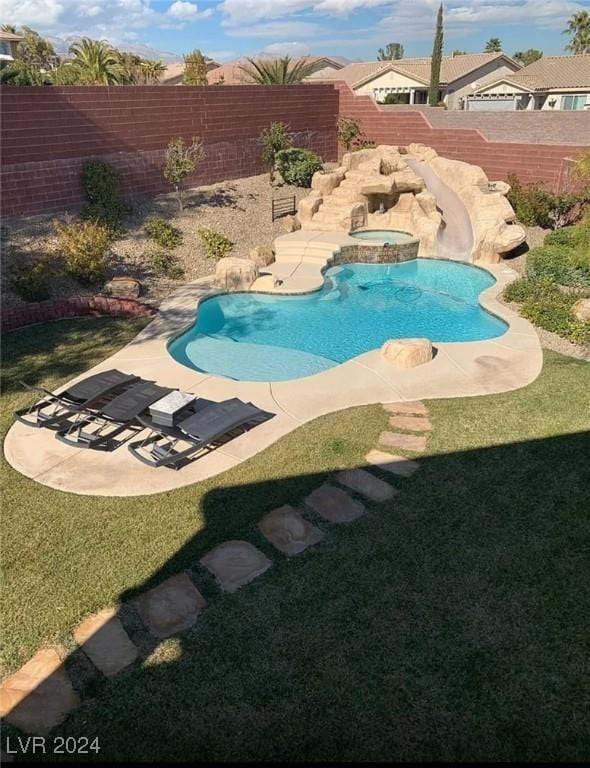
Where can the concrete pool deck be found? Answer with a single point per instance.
(462, 369)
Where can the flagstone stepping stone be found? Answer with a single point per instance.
(366, 484)
(415, 407)
(416, 443)
(105, 642)
(170, 607)
(414, 423)
(288, 531)
(397, 465)
(235, 563)
(40, 695)
(334, 504)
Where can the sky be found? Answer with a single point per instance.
(227, 29)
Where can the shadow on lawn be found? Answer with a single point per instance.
(447, 624)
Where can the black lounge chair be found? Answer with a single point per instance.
(88, 394)
(208, 425)
(97, 429)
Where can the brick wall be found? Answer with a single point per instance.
(48, 132)
(549, 164)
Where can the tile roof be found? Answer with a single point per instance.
(233, 74)
(10, 36)
(554, 73)
(452, 68)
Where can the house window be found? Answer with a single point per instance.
(4, 48)
(575, 101)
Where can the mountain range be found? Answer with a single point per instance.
(62, 44)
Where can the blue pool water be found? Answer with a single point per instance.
(258, 337)
(392, 236)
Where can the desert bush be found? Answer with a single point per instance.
(561, 263)
(162, 232)
(164, 263)
(83, 246)
(297, 166)
(577, 237)
(272, 140)
(534, 205)
(31, 280)
(180, 161)
(545, 305)
(348, 130)
(215, 244)
(101, 185)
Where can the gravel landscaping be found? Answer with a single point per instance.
(240, 209)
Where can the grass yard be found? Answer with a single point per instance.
(448, 624)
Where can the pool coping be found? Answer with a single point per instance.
(459, 369)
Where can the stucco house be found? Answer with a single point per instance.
(8, 45)
(233, 74)
(408, 79)
(550, 83)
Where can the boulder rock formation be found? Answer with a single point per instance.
(233, 274)
(407, 353)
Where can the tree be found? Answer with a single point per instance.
(277, 71)
(272, 140)
(195, 69)
(457, 52)
(527, 57)
(130, 63)
(97, 63)
(181, 160)
(494, 45)
(578, 28)
(35, 50)
(20, 72)
(433, 90)
(392, 52)
(152, 71)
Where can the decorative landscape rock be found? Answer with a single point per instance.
(105, 642)
(235, 563)
(581, 310)
(407, 406)
(366, 484)
(290, 223)
(262, 255)
(415, 443)
(397, 465)
(414, 423)
(334, 505)
(407, 353)
(288, 531)
(234, 274)
(171, 607)
(40, 695)
(123, 287)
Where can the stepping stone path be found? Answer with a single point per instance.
(288, 531)
(334, 504)
(366, 484)
(105, 642)
(415, 407)
(235, 563)
(415, 443)
(40, 695)
(413, 423)
(170, 607)
(397, 465)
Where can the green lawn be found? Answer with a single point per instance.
(450, 624)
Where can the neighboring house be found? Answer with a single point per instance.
(233, 74)
(408, 79)
(8, 44)
(550, 83)
(174, 72)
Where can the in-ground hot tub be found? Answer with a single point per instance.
(392, 236)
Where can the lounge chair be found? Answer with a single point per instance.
(57, 407)
(202, 430)
(97, 429)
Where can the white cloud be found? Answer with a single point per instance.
(222, 56)
(184, 11)
(287, 49)
(276, 29)
(240, 11)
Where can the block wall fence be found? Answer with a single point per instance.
(47, 133)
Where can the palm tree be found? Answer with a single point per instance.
(152, 71)
(97, 63)
(277, 71)
(578, 27)
(494, 45)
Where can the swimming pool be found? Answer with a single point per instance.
(262, 337)
(392, 236)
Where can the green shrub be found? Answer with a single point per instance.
(83, 246)
(572, 237)
(297, 166)
(164, 263)
(32, 279)
(545, 305)
(348, 130)
(272, 140)
(164, 233)
(534, 205)
(101, 185)
(215, 244)
(560, 263)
